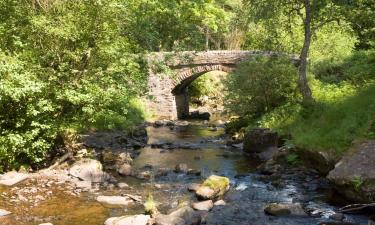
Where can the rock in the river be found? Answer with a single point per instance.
(204, 206)
(114, 201)
(89, 170)
(220, 203)
(125, 169)
(283, 209)
(193, 187)
(260, 139)
(12, 178)
(162, 219)
(4, 212)
(128, 220)
(354, 174)
(323, 162)
(181, 168)
(213, 187)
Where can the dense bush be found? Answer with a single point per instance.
(64, 66)
(260, 85)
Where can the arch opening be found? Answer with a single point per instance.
(185, 95)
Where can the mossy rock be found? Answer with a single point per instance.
(213, 187)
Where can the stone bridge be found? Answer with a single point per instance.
(171, 72)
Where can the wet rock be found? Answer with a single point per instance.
(337, 216)
(114, 201)
(159, 123)
(213, 187)
(220, 203)
(205, 205)
(354, 174)
(283, 209)
(125, 169)
(181, 168)
(194, 172)
(260, 139)
(12, 178)
(128, 220)
(89, 170)
(4, 212)
(144, 175)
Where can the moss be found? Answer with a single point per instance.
(150, 205)
(217, 183)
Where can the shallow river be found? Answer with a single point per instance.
(246, 200)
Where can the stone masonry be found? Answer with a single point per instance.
(171, 72)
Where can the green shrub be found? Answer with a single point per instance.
(27, 126)
(261, 85)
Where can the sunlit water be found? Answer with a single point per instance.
(212, 157)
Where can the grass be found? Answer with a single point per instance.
(341, 115)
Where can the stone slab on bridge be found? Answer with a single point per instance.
(171, 72)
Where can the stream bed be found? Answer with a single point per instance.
(205, 153)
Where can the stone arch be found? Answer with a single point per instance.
(168, 91)
(184, 79)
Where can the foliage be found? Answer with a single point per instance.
(209, 84)
(150, 205)
(63, 65)
(292, 159)
(357, 68)
(260, 85)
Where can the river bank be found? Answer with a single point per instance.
(165, 165)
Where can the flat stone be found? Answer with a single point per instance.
(12, 178)
(128, 220)
(114, 201)
(168, 220)
(4, 212)
(89, 170)
(205, 205)
(46, 224)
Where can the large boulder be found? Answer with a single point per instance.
(354, 174)
(213, 187)
(259, 140)
(128, 220)
(89, 170)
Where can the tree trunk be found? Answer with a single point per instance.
(302, 69)
(207, 40)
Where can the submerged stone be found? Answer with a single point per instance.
(283, 209)
(114, 201)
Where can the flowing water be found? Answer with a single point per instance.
(245, 201)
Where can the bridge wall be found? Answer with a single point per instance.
(168, 91)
